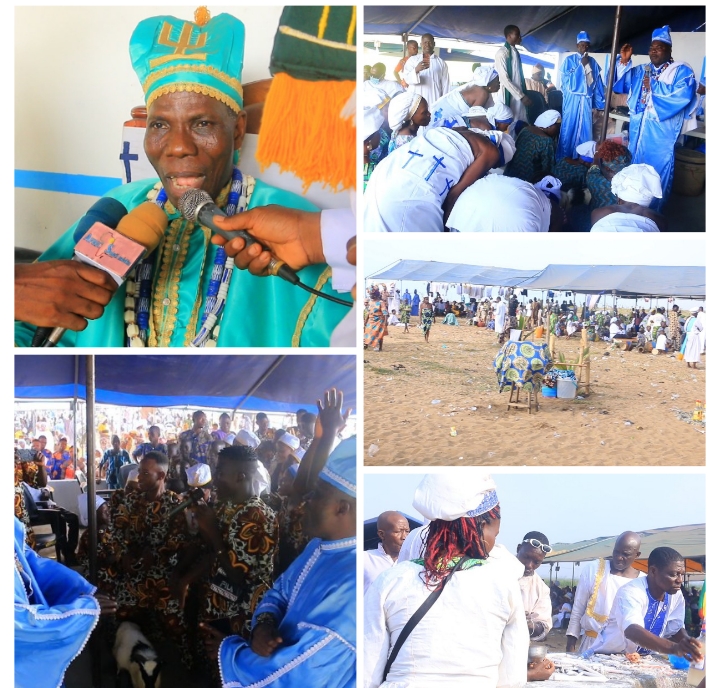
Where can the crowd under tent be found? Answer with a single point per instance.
(688, 540)
(627, 281)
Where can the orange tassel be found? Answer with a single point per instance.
(202, 16)
(302, 131)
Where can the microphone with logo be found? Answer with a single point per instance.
(106, 211)
(646, 91)
(116, 251)
(194, 496)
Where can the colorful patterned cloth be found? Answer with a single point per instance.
(534, 157)
(293, 539)
(405, 314)
(375, 328)
(522, 364)
(426, 319)
(674, 329)
(114, 463)
(200, 444)
(569, 174)
(25, 472)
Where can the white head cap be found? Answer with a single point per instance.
(638, 183)
(547, 118)
(247, 438)
(198, 475)
(449, 497)
(292, 441)
(373, 121)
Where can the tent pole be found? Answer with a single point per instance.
(74, 407)
(611, 75)
(258, 383)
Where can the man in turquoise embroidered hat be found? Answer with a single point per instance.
(186, 293)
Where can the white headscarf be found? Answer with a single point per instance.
(587, 150)
(448, 497)
(499, 113)
(198, 475)
(401, 108)
(247, 438)
(547, 119)
(477, 111)
(637, 184)
(482, 76)
(550, 185)
(373, 121)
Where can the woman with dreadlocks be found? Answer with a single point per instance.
(475, 632)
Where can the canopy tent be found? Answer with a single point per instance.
(624, 280)
(544, 29)
(266, 383)
(689, 540)
(433, 271)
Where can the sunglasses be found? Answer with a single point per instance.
(539, 545)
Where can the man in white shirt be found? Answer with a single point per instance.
(648, 612)
(427, 74)
(534, 592)
(598, 585)
(377, 80)
(392, 528)
(507, 63)
(499, 316)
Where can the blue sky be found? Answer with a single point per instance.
(566, 507)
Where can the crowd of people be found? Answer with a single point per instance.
(660, 330)
(208, 541)
(445, 604)
(493, 154)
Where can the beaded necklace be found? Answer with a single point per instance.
(139, 289)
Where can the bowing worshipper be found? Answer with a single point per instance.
(500, 117)
(427, 74)
(609, 159)
(497, 203)
(636, 186)
(572, 171)
(375, 323)
(415, 189)
(599, 582)
(56, 610)
(476, 631)
(536, 595)
(407, 113)
(304, 629)
(173, 308)
(537, 83)
(378, 80)
(147, 541)
(583, 91)
(477, 92)
(411, 49)
(692, 344)
(648, 613)
(376, 141)
(507, 63)
(661, 96)
(535, 155)
(392, 528)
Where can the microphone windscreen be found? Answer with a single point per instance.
(145, 224)
(105, 210)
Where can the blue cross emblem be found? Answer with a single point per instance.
(438, 163)
(438, 115)
(126, 156)
(448, 186)
(412, 153)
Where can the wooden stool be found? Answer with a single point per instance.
(531, 397)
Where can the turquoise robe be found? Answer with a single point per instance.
(55, 613)
(314, 603)
(259, 311)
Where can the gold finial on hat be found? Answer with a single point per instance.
(201, 16)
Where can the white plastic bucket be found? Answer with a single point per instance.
(566, 388)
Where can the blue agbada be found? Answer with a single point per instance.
(314, 602)
(259, 311)
(55, 613)
(579, 99)
(655, 125)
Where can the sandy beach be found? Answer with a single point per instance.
(638, 412)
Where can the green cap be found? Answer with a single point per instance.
(171, 55)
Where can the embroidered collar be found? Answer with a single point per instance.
(329, 545)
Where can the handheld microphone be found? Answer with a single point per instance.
(193, 498)
(108, 212)
(197, 206)
(647, 74)
(116, 251)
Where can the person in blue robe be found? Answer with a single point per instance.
(304, 629)
(583, 91)
(416, 302)
(661, 95)
(55, 613)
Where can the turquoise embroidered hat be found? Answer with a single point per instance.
(340, 469)
(206, 56)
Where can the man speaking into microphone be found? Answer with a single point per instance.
(188, 291)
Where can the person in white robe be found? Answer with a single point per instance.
(636, 186)
(648, 612)
(599, 582)
(426, 74)
(377, 80)
(457, 102)
(507, 63)
(450, 646)
(407, 189)
(536, 595)
(692, 345)
(702, 317)
(392, 528)
(499, 316)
